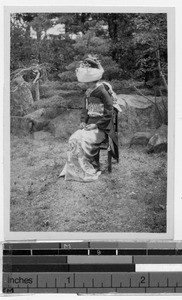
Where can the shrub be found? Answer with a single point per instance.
(48, 88)
(123, 85)
(111, 68)
(68, 76)
(111, 73)
(70, 86)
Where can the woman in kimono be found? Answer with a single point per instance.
(96, 126)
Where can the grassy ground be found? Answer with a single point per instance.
(130, 199)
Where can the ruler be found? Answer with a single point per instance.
(92, 267)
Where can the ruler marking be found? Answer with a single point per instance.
(92, 282)
(167, 285)
(37, 281)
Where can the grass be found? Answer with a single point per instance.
(130, 199)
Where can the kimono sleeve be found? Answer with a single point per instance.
(84, 112)
(104, 122)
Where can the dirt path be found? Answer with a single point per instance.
(130, 199)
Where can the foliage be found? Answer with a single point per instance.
(119, 85)
(150, 36)
(70, 86)
(20, 46)
(126, 43)
(67, 76)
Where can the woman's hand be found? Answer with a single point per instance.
(82, 125)
(91, 127)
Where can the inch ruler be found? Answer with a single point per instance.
(92, 267)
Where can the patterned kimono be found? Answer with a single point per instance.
(84, 145)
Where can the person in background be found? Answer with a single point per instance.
(96, 126)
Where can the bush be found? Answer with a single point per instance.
(111, 68)
(111, 73)
(48, 88)
(70, 86)
(123, 85)
(68, 76)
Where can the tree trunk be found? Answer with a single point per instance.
(113, 32)
(36, 86)
(160, 69)
(37, 91)
(39, 32)
(28, 41)
(44, 76)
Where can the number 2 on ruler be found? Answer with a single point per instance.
(142, 279)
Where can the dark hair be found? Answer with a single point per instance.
(91, 62)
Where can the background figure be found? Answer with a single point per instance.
(96, 125)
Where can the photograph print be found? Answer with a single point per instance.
(89, 122)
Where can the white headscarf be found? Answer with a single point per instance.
(87, 74)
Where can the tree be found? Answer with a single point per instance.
(129, 45)
(150, 39)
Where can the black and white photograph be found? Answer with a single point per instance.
(91, 121)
